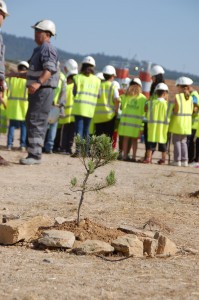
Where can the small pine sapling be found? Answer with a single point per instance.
(94, 153)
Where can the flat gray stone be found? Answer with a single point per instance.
(57, 238)
(128, 244)
(94, 247)
(138, 232)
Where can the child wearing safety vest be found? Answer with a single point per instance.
(107, 104)
(158, 123)
(17, 106)
(133, 103)
(67, 131)
(181, 121)
(3, 113)
(192, 140)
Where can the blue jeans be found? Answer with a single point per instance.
(50, 137)
(82, 125)
(23, 132)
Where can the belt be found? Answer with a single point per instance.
(46, 87)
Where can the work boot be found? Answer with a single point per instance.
(29, 160)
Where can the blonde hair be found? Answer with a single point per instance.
(133, 90)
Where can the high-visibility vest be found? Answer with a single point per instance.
(87, 92)
(157, 121)
(3, 115)
(17, 99)
(105, 107)
(132, 115)
(181, 122)
(195, 116)
(69, 118)
(58, 89)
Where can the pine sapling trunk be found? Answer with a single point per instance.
(82, 196)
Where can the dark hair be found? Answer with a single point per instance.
(160, 92)
(22, 68)
(158, 79)
(70, 78)
(107, 76)
(87, 69)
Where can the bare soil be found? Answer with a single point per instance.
(167, 193)
(89, 230)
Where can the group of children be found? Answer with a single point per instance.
(163, 118)
(92, 104)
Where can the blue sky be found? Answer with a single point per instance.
(165, 32)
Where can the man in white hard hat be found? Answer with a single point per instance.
(3, 14)
(42, 78)
(17, 106)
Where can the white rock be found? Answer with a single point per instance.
(129, 244)
(60, 220)
(57, 238)
(94, 247)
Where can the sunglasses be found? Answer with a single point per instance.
(38, 30)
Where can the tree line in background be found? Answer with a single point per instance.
(20, 48)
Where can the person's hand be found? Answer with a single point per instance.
(33, 87)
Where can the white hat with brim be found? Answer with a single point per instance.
(72, 72)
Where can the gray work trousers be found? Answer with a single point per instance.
(180, 147)
(37, 120)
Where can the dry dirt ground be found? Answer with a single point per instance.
(141, 192)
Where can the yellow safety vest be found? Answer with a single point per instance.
(181, 122)
(132, 115)
(157, 121)
(17, 99)
(3, 115)
(58, 89)
(87, 92)
(195, 117)
(69, 118)
(105, 107)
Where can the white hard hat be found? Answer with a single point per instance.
(89, 60)
(184, 81)
(23, 63)
(3, 7)
(126, 81)
(137, 80)
(116, 84)
(45, 25)
(71, 64)
(72, 72)
(161, 86)
(155, 70)
(100, 75)
(109, 70)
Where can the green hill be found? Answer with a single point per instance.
(20, 48)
